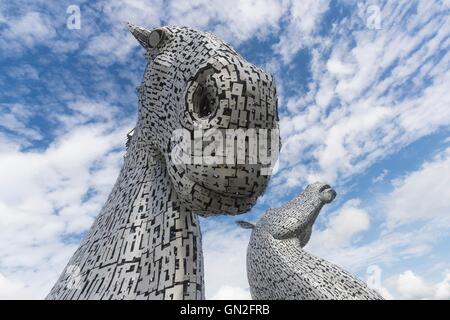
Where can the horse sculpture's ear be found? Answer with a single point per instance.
(246, 224)
(148, 39)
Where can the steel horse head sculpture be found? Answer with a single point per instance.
(146, 242)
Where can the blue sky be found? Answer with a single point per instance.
(364, 105)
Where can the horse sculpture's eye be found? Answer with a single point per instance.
(202, 103)
(204, 108)
(324, 187)
(201, 97)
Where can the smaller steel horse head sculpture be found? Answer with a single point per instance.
(278, 267)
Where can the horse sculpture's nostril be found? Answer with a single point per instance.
(327, 194)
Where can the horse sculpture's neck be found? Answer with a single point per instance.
(143, 245)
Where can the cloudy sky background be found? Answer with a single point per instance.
(364, 105)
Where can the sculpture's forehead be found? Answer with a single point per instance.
(187, 51)
(190, 44)
(191, 36)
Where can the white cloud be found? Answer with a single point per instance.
(108, 48)
(224, 248)
(341, 228)
(10, 144)
(235, 21)
(147, 12)
(337, 67)
(24, 71)
(381, 177)
(14, 119)
(442, 289)
(82, 112)
(371, 93)
(374, 281)
(25, 31)
(10, 289)
(31, 272)
(303, 22)
(411, 286)
(43, 197)
(423, 194)
(232, 293)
